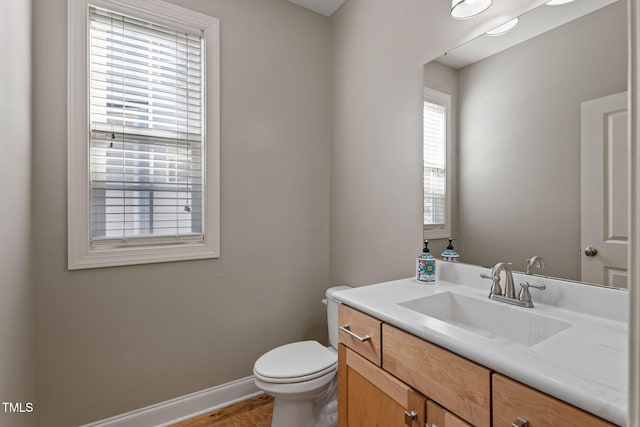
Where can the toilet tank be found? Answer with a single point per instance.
(332, 314)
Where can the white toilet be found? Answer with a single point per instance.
(302, 377)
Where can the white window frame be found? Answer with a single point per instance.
(81, 254)
(440, 98)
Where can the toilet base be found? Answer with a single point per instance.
(292, 413)
(314, 407)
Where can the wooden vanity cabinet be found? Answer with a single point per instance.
(393, 378)
(512, 399)
(369, 396)
(373, 389)
(453, 381)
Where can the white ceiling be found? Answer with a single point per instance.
(325, 7)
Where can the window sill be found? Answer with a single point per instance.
(98, 258)
(436, 234)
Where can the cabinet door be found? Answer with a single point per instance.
(453, 381)
(512, 400)
(369, 397)
(437, 416)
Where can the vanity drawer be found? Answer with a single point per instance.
(512, 400)
(456, 383)
(359, 332)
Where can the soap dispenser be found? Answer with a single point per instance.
(450, 254)
(426, 265)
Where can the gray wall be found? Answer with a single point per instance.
(519, 145)
(16, 291)
(378, 51)
(117, 339)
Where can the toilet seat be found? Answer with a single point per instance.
(294, 363)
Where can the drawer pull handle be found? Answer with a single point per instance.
(409, 417)
(520, 422)
(346, 330)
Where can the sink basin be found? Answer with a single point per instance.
(491, 319)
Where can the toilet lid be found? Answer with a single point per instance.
(300, 360)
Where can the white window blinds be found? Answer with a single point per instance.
(146, 131)
(434, 160)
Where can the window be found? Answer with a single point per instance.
(143, 133)
(436, 155)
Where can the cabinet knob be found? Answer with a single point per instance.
(409, 416)
(520, 422)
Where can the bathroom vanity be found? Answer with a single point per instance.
(447, 356)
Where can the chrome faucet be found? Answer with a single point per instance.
(496, 289)
(509, 290)
(524, 296)
(535, 261)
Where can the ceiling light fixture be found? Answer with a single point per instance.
(463, 9)
(501, 29)
(558, 2)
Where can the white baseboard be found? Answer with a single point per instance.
(182, 408)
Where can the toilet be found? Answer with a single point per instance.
(301, 376)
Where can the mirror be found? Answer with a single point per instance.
(528, 110)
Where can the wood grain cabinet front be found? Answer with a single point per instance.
(458, 384)
(360, 332)
(390, 378)
(515, 403)
(437, 416)
(369, 396)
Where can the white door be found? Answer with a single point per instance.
(604, 190)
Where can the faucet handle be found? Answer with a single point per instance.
(496, 289)
(524, 294)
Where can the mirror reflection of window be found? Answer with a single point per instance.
(436, 116)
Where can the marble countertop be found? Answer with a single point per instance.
(584, 365)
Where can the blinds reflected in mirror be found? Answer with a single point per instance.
(146, 130)
(434, 161)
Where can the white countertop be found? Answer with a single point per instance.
(584, 365)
